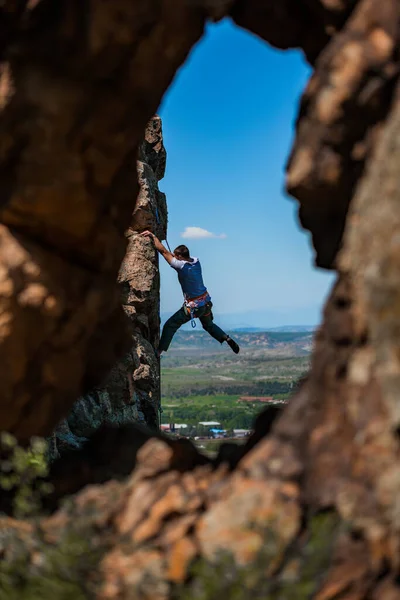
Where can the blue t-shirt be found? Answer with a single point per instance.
(190, 277)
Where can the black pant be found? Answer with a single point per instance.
(204, 313)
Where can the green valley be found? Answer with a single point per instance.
(203, 381)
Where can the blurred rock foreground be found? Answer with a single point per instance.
(310, 508)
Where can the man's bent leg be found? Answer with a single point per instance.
(213, 329)
(207, 320)
(171, 327)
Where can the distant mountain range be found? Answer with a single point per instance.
(265, 320)
(248, 329)
(283, 329)
(294, 328)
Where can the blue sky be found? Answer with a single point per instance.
(228, 126)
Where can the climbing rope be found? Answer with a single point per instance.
(192, 320)
(160, 410)
(158, 223)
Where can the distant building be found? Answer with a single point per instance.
(265, 399)
(218, 433)
(172, 427)
(209, 423)
(240, 433)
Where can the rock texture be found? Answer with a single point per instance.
(131, 391)
(310, 509)
(342, 111)
(79, 82)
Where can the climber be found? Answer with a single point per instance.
(197, 302)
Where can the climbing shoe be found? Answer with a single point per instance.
(233, 345)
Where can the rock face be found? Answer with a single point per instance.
(342, 112)
(79, 83)
(131, 391)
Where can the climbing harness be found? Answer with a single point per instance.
(191, 304)
(190, 312)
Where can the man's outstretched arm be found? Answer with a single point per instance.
(159, 246)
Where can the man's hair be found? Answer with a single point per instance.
(182, 251)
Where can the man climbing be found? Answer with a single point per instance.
(197, 302)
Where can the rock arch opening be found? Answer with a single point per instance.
(228, 126)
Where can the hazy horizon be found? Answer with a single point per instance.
(261, 319)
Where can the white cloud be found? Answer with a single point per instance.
(198, 233)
